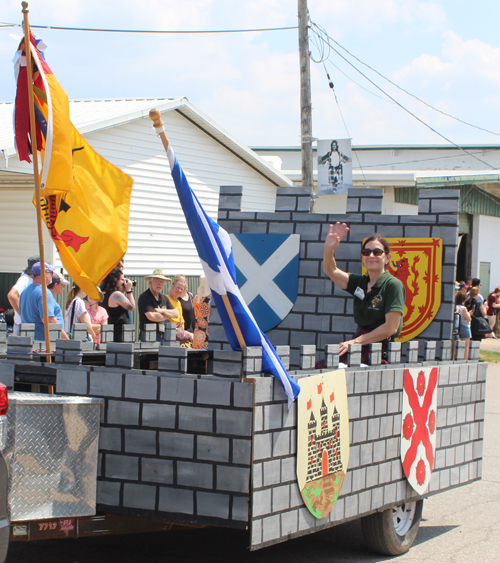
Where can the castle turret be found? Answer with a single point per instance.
(324, 418)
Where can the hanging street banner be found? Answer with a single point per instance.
(334, 166)
(267, 273)
(418, 433)
(322, 440)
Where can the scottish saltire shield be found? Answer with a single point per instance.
(267, 272)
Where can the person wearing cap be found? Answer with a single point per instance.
(154, 307)
(31, 302)
(24, 280)
(476, 282)
(59, 282)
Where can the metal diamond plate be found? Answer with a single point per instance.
(51, 447)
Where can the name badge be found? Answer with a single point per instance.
(359, 293)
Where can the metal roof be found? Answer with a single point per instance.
(387, 147)
(94, 115)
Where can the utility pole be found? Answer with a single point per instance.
(305, 98)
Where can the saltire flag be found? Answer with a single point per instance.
(216, 255)
(85, 199)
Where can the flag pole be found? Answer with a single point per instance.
(34, 150)
(158, 124)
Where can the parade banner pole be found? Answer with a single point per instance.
(34, 150)
(158, 124)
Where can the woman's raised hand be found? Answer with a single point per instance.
(335, 235)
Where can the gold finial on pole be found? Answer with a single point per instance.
(158, 124)
(25, 6)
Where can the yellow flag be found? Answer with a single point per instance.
(89, 225)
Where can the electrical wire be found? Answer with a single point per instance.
(403, 107)
(323, 32)
(416, 160)
(151, 31)
(323, 57)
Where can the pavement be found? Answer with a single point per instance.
(491, 344)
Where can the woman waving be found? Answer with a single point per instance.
(379, 297)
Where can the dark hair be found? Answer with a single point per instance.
(460, 298)
(378, 238)
(110, 282)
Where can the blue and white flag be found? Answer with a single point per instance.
(216, 255)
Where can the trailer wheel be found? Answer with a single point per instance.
(393, 531)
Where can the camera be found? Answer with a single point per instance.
(134, 283)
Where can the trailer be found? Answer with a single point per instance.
(171, 448)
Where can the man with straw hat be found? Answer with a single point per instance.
(154, 307)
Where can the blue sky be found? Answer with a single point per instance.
(446, 52)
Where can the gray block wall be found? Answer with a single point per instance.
(222, 450)
(322, 313)
(171, 446)
(375, 479)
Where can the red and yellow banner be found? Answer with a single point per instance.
(85, 199)
(89, 225)
(418, 262)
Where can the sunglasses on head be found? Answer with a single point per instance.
(376, 251)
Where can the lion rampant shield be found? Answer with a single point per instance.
(418, 434)
(322, 440)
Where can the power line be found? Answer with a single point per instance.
(324, 59)
(152, 31)
(402, 89)
(403, 107)
(414, 161)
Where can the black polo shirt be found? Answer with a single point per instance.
(147, 304)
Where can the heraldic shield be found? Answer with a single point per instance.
(418, 434)
(322, 440)
(417, 262)
(267, 273)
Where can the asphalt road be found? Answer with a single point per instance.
(459, 526)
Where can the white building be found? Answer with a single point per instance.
(402, 170)
(121, 131)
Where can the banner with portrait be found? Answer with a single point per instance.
(334, 166)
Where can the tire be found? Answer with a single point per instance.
(393, 531)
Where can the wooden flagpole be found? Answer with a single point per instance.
(34, 150)
(158, 124)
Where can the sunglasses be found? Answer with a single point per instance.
(376, 251)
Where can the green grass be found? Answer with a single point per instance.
(490, 357)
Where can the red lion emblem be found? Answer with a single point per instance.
(401, 270)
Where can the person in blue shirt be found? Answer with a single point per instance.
(31, 302)
(57, 286)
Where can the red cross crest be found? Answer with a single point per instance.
(418, 434)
